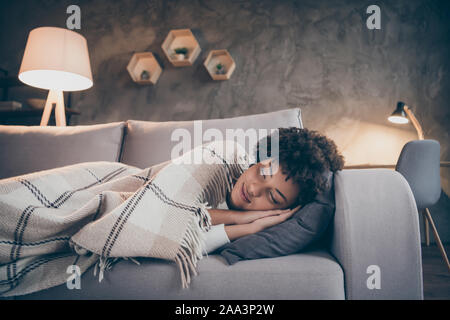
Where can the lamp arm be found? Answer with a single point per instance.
(414, 121)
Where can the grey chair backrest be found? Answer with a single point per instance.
(419, 163)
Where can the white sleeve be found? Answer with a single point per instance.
(215, 238)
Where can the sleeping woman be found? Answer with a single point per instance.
(95, 213)
(263, 197)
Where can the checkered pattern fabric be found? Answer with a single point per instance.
(96, 212)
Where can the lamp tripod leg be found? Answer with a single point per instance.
(47, 111)
(438, 239)
(54, 98)
(60, 115)
(426, 228)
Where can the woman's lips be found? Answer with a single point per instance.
(243, 195)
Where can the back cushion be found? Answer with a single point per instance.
(148, 143)
(25, 149)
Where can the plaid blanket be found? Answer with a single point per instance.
(96, 212)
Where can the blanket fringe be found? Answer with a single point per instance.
(192, 246)
(104, 264)
(193, 242)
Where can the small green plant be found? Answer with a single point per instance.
(220, 68)
(181, 50)
(145, 75)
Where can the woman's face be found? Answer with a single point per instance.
(262, 187)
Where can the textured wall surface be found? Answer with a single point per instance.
(314, 54)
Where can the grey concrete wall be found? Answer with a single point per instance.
(313, 54)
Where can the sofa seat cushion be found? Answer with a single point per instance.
(309, 275)
(147, 143)
(25, 149)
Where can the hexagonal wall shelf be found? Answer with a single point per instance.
(143, 68)
(181, 39)
(220, 64)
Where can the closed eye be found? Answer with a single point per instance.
(273, 199)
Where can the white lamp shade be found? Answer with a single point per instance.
(398, 119)
(56, 58)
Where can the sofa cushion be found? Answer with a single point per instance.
(310, 275)
(147, 143)
(26, 149)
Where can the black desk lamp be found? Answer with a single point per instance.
(402, 114)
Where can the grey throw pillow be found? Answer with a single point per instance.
(302, 230)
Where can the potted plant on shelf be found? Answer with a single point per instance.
(220, 69)
(145, 75)
(180, 53)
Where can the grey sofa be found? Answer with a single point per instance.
(375, 223)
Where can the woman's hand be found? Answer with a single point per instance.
(273, 219)
(260, 220)
(244, 217)
(227, 217)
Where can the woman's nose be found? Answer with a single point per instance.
(254, 190)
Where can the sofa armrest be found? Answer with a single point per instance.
(376, 223)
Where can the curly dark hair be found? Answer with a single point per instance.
(306, 156)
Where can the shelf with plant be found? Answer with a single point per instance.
(181, 47)
(144, 68)
(220, 64)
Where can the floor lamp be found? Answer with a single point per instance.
(401, 115)
(56, 59)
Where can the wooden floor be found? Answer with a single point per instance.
(436, 276)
